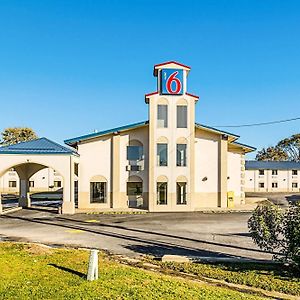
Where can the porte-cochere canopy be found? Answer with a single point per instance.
(27, 158)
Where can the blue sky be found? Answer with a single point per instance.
(69, 67)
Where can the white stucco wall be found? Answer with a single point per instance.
(206, 164)
(95, 159)
(234, 173)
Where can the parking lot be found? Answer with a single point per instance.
(193, 234)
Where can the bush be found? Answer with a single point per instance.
(273, 229)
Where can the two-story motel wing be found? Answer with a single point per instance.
(167, 163)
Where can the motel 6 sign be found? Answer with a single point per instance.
(171, 82)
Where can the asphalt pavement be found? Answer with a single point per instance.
(193, 234)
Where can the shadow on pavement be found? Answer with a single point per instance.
(148, 244)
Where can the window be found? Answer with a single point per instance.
(181, 116)
(98, 192)
(12, 184)
(57, 183)
(162, 116)
(181, 155)
(134, 152)
(261, 185)
(134, 188)
(274, 172)
(181, 193)
(261, 172)
(31, 183)
(274, 185)
(162, 155)
(295, 172)
(294, 185)
(162, 193)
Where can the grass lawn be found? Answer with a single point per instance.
(33, 272)
(270, 277)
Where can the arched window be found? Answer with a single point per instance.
(162, 190)
(135, 150)
(98, 189)
(162, 152)
(181, 190)
(162, 113)
(181, 152)
(182, 113)
(134, 186)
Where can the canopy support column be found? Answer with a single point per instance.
(68, 206)
(24, 200)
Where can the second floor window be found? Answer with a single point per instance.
(261, 172)
(181, 116)
(181, 155)
(162, 116)
(274, 172)
(294, 172)
(162, 155)
(134, 152)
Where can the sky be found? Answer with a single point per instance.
(68, 68)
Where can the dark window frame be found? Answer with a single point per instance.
(179, 199)
(162, 189)
(160, 153)
(179, 161)
(181, 116)
(98, 192)
(162, 115)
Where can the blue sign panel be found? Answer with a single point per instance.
(171, 82)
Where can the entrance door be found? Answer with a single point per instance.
(135, 194)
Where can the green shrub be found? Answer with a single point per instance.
(273, 229)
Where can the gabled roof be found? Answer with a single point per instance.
(205, 127)
(245, 147)
(272, 165)
(38, 146)
(75, 140)
(172, 62)
(147, 96)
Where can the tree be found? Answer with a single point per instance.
(291, 146)
(272, 154)
(273, 229)
(286, 149)
(16, 135)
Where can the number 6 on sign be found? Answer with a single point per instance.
(171, 82)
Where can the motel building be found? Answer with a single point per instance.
(165, 164)
(272, 176)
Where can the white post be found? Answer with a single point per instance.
(93, 266)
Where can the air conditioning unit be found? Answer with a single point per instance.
(134, 168)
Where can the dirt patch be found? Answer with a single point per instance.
(38, 249)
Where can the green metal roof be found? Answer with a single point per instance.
(198, 125)
(38, 146)
(105, 132)
(243, 145)
(75, 140)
